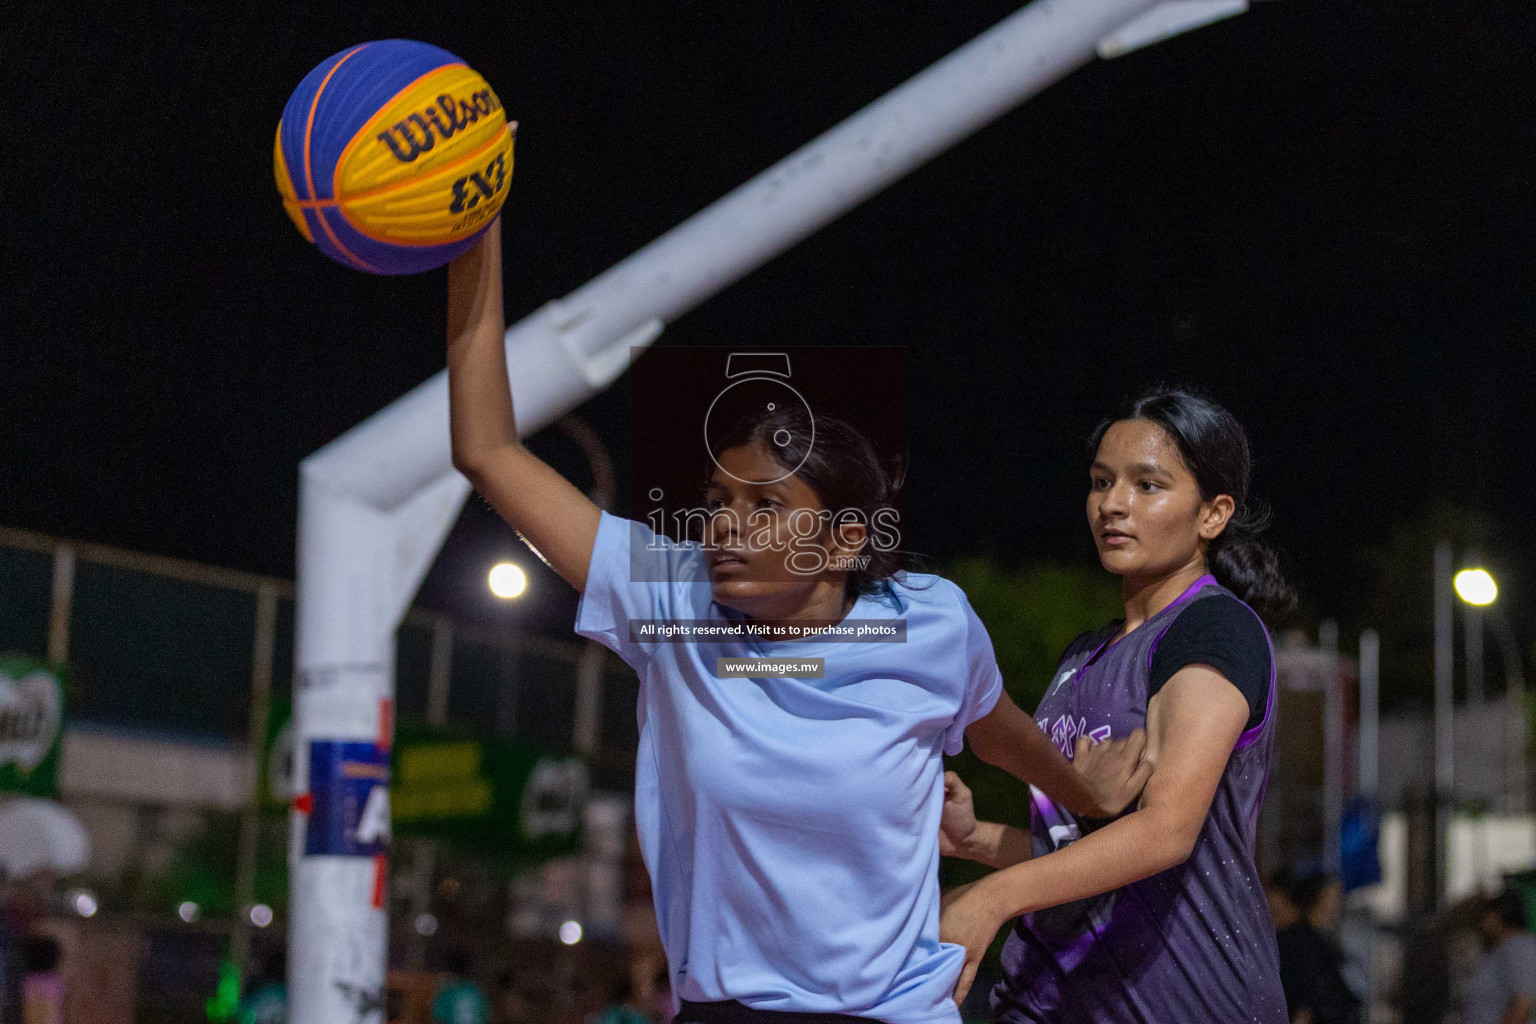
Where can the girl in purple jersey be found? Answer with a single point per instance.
(1158, 915)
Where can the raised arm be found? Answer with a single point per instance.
(555, 519)
(1107, 776)
(1193, 723)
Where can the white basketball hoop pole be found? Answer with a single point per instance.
(376, 503)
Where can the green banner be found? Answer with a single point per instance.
(493, 794)
(274, 770)
(31, 726)
(486, 793)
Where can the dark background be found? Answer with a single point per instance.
(1319, 211)
(681, 396)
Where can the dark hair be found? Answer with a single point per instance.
(1509, 905)
(839, 463)
(1214, 447)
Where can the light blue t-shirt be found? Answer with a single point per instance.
(790, 826)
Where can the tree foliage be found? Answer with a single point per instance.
(1032, 613)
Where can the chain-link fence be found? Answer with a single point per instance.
(166, 664)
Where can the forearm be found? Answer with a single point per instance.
(556, 520)
(1126, 850)
(1034, 759)
(996, 845)
(480, 394)
(1192, 725)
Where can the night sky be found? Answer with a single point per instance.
(1320, 211)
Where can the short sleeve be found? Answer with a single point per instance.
(1518, 964)
(1221, 632)
(636, 574)
(983, 679)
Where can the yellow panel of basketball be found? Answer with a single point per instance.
(445, 204)
(285, 187)
(436, 120)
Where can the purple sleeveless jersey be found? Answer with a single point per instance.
(1193, 943)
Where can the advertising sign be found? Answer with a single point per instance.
(31, 726)
(488, 793)
(349, 788)
(494, 794)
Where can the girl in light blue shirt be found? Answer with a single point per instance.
(789, 823)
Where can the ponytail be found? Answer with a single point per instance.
(1250, 569)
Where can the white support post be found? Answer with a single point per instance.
(1370, 713)
(63, 602)
(1472, 640)
(1167, 19)
(1445, 721)
(376, 503)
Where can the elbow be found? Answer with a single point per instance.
(469, 464)
(1179, 850)
(1163, 843)
(1174, 847)
(477, 463)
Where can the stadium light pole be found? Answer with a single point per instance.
(376, 503)
(1477, 590)
(1474, 587)
(1445, 737)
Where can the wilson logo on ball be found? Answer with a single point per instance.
(413, 136)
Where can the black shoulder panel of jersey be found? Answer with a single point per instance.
(1219, 631)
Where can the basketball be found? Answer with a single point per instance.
(393, 156)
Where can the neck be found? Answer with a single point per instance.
(1146, 596)
(826, 606)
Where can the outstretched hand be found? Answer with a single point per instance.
(1116, 771)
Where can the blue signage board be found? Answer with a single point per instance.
(349, 786)
(1359, 838)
